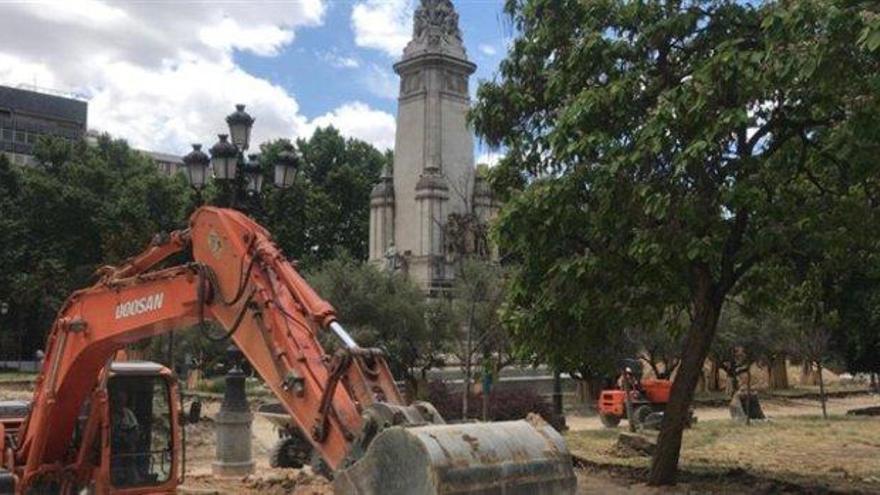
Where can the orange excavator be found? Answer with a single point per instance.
(101, 426)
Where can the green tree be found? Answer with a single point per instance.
(858, 338)
(743, 338)
(79, 208)
(659, 151)
(478, 338)
(660, 345)
(815, 321)
(384, 310)
(326, 213)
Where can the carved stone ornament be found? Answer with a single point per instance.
(412, 83)
(437, 18)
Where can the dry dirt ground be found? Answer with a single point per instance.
(845, 455)
(718, 457)
(773, 408)
(787, 453)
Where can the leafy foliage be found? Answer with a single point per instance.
(660, 345)
(385, 310)
(79, 208)
(858, 338)
(477, 293)
(744, 338)
(661, 154)
(85, 206)
(326, 213)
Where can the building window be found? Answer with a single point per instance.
(31, 138)
(20, 137)
(6, 134)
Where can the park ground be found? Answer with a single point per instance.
(794, 451)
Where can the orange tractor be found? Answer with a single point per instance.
(96, 426)
(641, 400)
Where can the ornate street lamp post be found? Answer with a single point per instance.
(240, 124)
(4, 308)
(239, 176)
(233, 456)
(196, 166)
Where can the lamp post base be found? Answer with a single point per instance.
(233, 455)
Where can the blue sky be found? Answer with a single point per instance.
(305, 68)
(164, 73)
(325, 68)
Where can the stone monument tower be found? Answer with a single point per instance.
(433, 175)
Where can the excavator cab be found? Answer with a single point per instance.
(142, 420)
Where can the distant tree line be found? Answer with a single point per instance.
(84, 206)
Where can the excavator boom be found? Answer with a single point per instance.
(346, 404)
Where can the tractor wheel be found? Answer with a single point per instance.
(640, 415)
(290, 452)
(609, 420)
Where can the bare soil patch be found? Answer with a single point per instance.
(791, 453)
(788, 454)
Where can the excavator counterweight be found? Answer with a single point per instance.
(345, 407)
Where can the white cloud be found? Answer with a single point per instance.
(381, 81)
(337, 60)
(265, 41)
(383, 24)
(14, 69)
(185, 103)
(357, 119)
(490, 158)
(487, 49)
(82, 12)
(152, 76)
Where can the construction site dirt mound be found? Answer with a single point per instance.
(284, 481)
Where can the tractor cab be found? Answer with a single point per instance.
(141, 450)
(639, 400)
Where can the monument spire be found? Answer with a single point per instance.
(433, 174)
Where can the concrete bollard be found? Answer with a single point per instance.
(233, 457)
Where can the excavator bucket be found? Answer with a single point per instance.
(513, 457)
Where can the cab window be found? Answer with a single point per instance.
(140, 431)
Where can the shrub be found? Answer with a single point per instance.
(504, 405)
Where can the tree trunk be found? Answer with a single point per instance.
(701, 383)
(557, 393)
(777, 373)
(627, 402)
(582, 392)
(422, 385)
(468, 363)
(465, 392)
(822, 390)
(410, 388)
(809, 376)
(874, 385)
(588, 389)
(748, 396)
(732, 380)
(664, 465)
(714, 382)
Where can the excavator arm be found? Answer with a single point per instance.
(342, 403)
